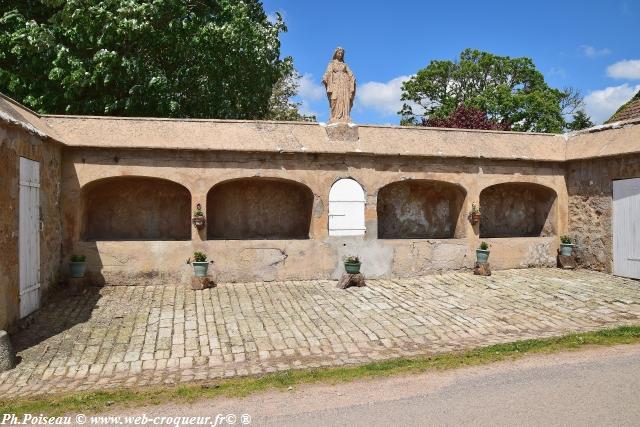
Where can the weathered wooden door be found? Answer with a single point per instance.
(626, 228)
(29, 236)
(346, 208)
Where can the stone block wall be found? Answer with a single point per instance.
(241, 255)
(16, 143)
(590, 189)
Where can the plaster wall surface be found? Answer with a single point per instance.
(15, 142)
(319, 256)
(616, 139)
(298, 137)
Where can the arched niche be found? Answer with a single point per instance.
(517, 209)
(420, 209)
(135, 208)
(259, 208)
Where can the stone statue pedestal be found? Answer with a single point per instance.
(348, 280)
(482, 269)
(200, 283)
(78, 285)
(342, 132)
(567, 262)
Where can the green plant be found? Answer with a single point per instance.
(483, 90)
(78, 258)
(198, 211)
(566, 240)
(484, 246)
(141, 58)
(199, 256)
(475, 209)
(352, 259)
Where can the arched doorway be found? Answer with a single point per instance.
(346, 208)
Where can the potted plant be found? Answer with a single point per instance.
(198, 219)
(200, 264)
(566, 246)
(78, 266)
(352, 264)
(474, 215)
(482, 253)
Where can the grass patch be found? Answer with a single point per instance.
(96, 401)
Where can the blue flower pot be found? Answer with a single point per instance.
(352, 267)
(200, 268)
(482, 255)
(566, 249)
(77, 269)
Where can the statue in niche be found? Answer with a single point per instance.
(341, 88)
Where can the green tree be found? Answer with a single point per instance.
(511, 91)
(169, 58)
(580, 121)
(281, 104)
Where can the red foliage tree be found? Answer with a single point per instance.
(466, 118)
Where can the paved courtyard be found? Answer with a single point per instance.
(150, 335)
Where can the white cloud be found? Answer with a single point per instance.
(557, 72)
(273, 16)
(593, 52)
(382, 97)
(629, 70)
(306, 109)
(309, 90)
(601, 104)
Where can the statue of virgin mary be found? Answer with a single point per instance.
(341, 88)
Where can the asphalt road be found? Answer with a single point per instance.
(598, 387)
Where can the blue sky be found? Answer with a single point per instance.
(592, 45)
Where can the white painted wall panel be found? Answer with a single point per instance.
(346, 208)
(29, 236)
(626, 228)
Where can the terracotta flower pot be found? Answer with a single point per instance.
(198, 222)
(475, 217)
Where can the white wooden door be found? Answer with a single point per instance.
(346, 208)
(29, 236)
(626, 228)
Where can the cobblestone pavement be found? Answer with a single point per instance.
(150, 335)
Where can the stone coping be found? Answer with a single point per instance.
(304, 137)
(300, 138)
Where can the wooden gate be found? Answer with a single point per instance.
(626, 228)
(346, 209)
(29, 236)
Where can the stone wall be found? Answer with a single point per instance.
(16, 143)
(590, 188)
(318, 255)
